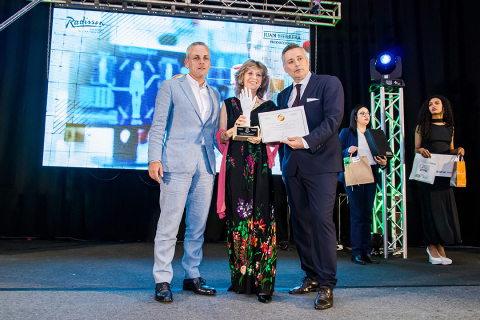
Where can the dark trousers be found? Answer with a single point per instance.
(361, 199)
(312, 199)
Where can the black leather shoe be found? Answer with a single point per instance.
(198, 286)
(163, 292)
(264, 298)
(358, 259)
(324, 299)
(230, 288)
(368, 258)
(308, 285)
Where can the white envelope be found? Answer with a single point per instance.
(311, 99)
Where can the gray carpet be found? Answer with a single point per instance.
(87, 280)
(372, 303)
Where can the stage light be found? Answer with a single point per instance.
(386, 66)
(385, 58)
(385, 63)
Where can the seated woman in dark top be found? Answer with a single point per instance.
(434, 134)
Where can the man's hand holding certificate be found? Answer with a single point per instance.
(284, 125)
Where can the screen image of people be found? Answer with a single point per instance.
(106, 68)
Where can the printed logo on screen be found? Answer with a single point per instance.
(93, 25)
(281, 37)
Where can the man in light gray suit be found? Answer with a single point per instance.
(182, 160)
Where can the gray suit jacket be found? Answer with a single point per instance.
(177, 130)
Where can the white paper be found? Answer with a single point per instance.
(279, 124)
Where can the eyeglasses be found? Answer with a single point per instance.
(365, 114)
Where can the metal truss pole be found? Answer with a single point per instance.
(390, 214)
(20, 13)
(403, 175)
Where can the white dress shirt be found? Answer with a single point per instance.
(363, 148)
(202, 96)
(293, 95)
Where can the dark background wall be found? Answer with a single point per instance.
(437, 40)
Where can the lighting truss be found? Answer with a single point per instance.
(275, 12)
(20, 13)
(390, 212)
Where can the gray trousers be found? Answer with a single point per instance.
(193, 191)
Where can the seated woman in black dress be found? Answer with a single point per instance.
(360, 197)
(246, 185)
(434, 134)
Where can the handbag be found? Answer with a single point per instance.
(424, 169)
(357, 171)
(459, 174)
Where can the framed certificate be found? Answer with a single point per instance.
(282, 124)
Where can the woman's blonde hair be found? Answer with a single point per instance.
(241, 73)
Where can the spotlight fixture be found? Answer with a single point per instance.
(386, 67)
(385, 63)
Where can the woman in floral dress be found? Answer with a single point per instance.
(245, 188)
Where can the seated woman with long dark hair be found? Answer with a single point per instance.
(360, 197)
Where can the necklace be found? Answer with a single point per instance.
(257, 103)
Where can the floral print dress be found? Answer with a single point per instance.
(251, 233)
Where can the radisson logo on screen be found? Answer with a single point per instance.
(83, 23)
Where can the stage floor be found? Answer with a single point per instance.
(91, 280)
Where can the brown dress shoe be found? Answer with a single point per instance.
(324, 299)
(308, 285)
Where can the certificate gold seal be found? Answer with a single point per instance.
(281, 117)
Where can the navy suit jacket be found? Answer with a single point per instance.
(324, 113)
(348, 139)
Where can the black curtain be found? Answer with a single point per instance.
(439, 44)
(436, 39)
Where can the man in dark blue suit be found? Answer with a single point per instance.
(310, 167)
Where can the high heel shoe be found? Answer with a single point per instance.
(445, 260)
(434, 260)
